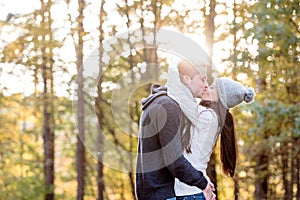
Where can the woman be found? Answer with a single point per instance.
(199, 140)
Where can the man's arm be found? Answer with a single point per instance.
(170, 139)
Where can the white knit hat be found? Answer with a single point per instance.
(232, 93)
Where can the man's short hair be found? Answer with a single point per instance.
(187, 69)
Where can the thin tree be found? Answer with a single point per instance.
(234, 77)
(209, 32)
(48, 107)
(80, 155)
(131, 62)
(99, 102)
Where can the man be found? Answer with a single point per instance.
(160, 153)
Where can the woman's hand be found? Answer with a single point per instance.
(209, 191)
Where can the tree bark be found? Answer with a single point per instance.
(80, 155)
(298, 177)
(100, 175)
(236, 188)
(261, 182)
(48, 137)
(48, 118)
(209, 32)
(287, 183)
(211, 172)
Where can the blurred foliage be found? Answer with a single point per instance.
(262, 51)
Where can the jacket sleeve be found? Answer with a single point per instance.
(172, 151)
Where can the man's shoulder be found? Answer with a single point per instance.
(165, 99)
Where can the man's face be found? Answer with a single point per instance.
(197, 84)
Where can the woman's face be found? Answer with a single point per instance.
(211, 94)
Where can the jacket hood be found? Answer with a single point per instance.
(157, 91)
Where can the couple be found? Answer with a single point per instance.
(177, 135)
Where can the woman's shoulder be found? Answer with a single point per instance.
(207, 112)
(207, 116)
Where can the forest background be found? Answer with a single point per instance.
(69, 116)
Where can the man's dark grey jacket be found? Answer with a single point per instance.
(160, 157)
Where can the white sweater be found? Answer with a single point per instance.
(203, 140)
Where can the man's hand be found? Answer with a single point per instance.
(209, 191)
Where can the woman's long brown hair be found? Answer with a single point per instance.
(228, 146)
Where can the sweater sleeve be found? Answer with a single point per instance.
(172, 151)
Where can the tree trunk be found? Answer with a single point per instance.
(261, 170)
(261, 184)
(284, 160)
(293, 173)
(235, 42)
(80, 155)
(209, 32)
(131, 139)
(48, 118)
(262, 158)
(100, 175)
(48, 136)
(287, 183)
(211, 172)
(298, 177)
(150, 50)
(100, 180)
(236, 188)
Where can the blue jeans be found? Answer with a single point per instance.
(199, 196)
(173, 198)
